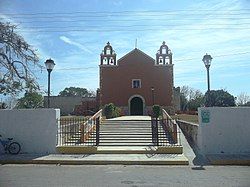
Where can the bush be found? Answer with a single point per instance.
(156, 111)
(111, 111)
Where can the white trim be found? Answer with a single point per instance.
(143, 103)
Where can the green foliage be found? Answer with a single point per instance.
(219, 98)
(190, 98)
(111, 111)
(196, 102)
(76, 91)
(30, 100)
(156, 111)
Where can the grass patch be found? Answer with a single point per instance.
(186, 117)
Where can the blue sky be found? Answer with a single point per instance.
(73, 34)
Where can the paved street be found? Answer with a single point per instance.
(118, 175)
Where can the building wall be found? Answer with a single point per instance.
(65, 104)
(116, 81)
(34, 129)
(226, 132)
(177, 101)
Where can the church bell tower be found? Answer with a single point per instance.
(164, 55)
(108, 55)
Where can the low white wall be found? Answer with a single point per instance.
(224, 130)
(34, 129)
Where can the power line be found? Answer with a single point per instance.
(177, 60)
(132, 30)
(120, 14)
(218, 56)
(117, 16)
(127, 11)
(129, 20)
(158, 25)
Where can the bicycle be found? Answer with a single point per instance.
(10, 146)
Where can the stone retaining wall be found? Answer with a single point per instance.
(190, 130)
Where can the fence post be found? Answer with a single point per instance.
(97, 130)
(154, 127)
(82, 132)
(175, 133)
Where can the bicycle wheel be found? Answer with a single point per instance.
(14, 148)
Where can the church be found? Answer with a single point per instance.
(136, 81)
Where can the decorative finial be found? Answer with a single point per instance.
(108, 43)
(163, 43)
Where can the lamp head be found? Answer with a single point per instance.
(207, 59)
(49, 64)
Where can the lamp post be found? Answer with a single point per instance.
(207, 59)
(153, 95)
(49, 66)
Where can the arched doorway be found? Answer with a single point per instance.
(136, 106)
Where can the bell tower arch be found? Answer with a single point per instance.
(164, 55)
(108, 55)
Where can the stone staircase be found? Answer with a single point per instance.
(125, 142)
(125, 133)
(121, 133)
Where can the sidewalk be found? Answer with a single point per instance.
(96, 159)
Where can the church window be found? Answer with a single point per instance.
(136, 83)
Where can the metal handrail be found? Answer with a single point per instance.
(90, 126)
(170, 124)
(76, 131)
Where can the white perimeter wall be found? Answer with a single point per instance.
(228, 130)
(34, 129)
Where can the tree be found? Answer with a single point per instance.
(76, 91)
(111, 111)
(17, 59)
(30, 100)
(156, 111)
(196, 102)
(3, 105)
(184, 91)
(219, 98)
(190, 98)
(242, 99)
(247, 104)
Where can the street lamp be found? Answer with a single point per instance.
(153, 95)
(49, 65)
(207, 59)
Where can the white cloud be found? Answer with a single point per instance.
(80, 46)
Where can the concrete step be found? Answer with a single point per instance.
(125, 144)
(125, 138)
(125, 127)
(126, 123)
(122, 130)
